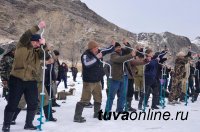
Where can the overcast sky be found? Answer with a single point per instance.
(180, 17)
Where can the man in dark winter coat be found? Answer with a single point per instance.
(151, 71)
(74, 73)
(92, 72)
(63, 69)
(24, 75)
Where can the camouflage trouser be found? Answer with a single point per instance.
(138, 83)
(5, 92)
(90, 89)
(175, 89)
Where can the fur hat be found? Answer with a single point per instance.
(92, 45)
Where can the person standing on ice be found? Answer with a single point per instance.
(56, 66)
(117, 83)
(23, 77)
(178, 76)
(6, 67)
(74, 72)
(197, 80)
(63, 69)
(150, 72)
(92, 73)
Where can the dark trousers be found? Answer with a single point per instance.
(17, 87)
(197, 85)
(151, 85)
(64, 78)
(74, 77)
(130, 90)
(102, 83)
(48, 90)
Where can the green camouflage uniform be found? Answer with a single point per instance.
(5, 69)
(177, 78)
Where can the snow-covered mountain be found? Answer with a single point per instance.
(159, 40)
(196, 41)
(71, 24)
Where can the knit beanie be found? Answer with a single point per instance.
(35, 37)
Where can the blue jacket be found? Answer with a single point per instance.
(152, 68)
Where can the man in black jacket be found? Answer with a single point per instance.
(92, 72)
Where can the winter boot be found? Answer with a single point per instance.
(50, 118)
(129, 108)
(141, 101)
(54, 104)
(97, 107)
(15, 116)
(154, 107)
(78, 113)
(194, 97)
(182, 97)
(7, 120)
(136, 95)
(29, 120)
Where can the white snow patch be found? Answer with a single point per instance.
(65, 114)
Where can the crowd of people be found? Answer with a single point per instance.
(137, 72)
(131, 73)
(21, 76)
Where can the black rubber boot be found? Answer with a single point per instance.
(194, 97)
(141, 101)
(154, 107)
(29, 120)
(7, 120)
(97, 107)
(46, 110)
(129, 108)
(136, 95)
(78, 113)
(15, 116)
(54, 104)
